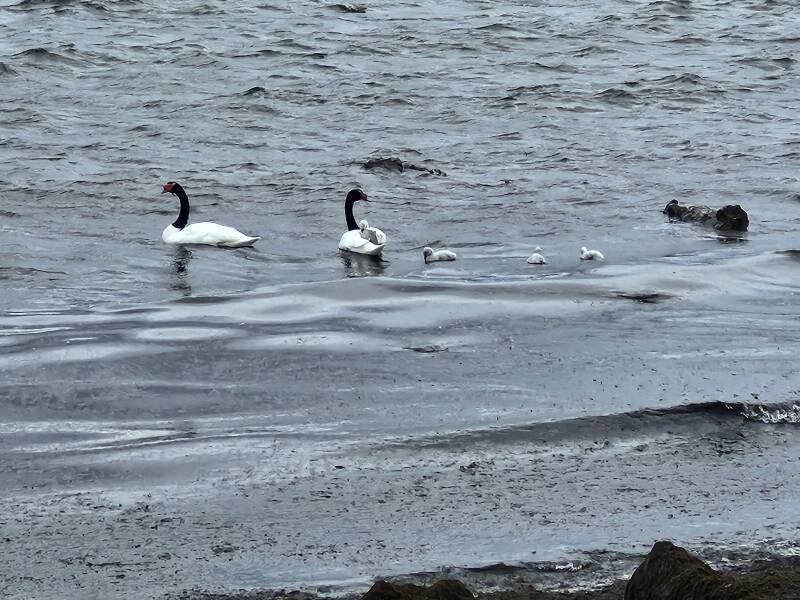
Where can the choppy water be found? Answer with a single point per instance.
(282, 415)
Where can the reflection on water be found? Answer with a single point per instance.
(731, 237)
(358, 265)
(180, 279)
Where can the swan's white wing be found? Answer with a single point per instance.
(353, 242)
(352, 239)
(443, 255)
(377, 236)
(210, 234)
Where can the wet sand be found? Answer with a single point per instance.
(381, 461)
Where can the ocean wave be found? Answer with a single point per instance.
(255, 91)
(617, 96)
(694, 419)
(43, 56)
(12, 273)
(40, 54)
(768, 413)
(256, 53)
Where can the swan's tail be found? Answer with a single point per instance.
(244, 242)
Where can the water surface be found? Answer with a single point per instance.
(285, 416)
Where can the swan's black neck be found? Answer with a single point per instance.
(183, 217)
(348, 213)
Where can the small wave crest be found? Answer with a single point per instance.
(255, 91)
(767, 413)
(27, 272)
(616, 96)
(44, 56)
(762, 413)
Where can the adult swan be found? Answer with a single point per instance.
(209, 234)
(370, 240)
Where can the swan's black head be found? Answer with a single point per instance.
(355, 195)
(172, 187)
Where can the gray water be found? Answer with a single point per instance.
(285, 416)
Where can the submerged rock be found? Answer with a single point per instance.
(728, 218)
(447, 589)
(349, 8)
(428, 348)
(393, 163)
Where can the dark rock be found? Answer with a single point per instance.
(349, 8)
(395, 164)
(390, 164)
(728, 218)
(671, 573)
(447, 589)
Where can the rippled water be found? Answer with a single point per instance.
(284, 415)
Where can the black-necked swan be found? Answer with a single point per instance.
(352, 240)
(210, 234)
(591, 254)
(536, 258)
(430, 255)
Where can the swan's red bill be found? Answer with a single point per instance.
(167, 188)
(364, 197)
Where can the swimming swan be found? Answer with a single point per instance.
(430, 255)
(353, 239)
(536, 258)
(209, 234)
(591, 254)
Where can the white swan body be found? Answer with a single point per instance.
(536, 258)
(353, 242)
(209, 234)
(591, 254)
(360, 238)
(430, 255)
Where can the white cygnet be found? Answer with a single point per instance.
(591, 254)
(370, 233)
(430, 255)
(536, 258)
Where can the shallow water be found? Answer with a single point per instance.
(286, 416)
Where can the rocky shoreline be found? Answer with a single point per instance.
(668, 572)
